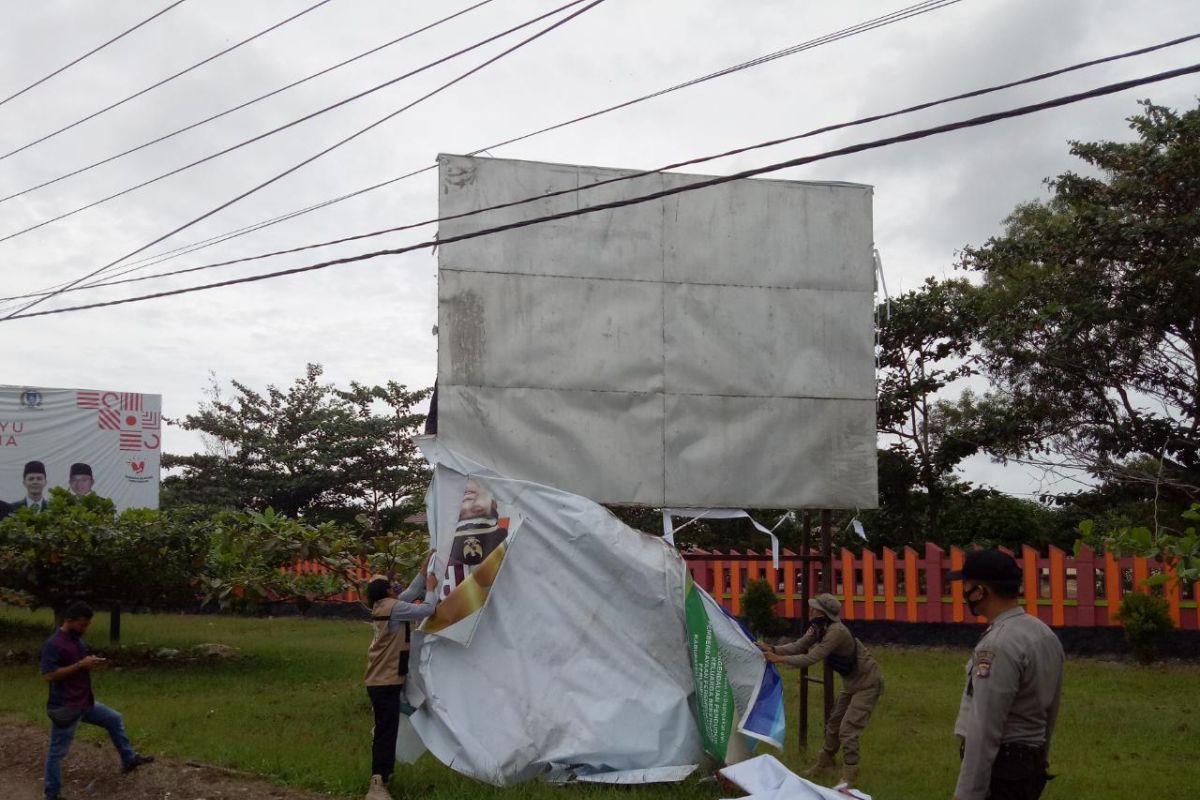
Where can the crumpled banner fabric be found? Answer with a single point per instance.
(578, 662)
(765, 778)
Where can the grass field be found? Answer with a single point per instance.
(293, 709)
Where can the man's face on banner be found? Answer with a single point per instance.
(81, 485)
(35, 485)
(477, 501)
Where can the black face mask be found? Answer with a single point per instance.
(973, 605)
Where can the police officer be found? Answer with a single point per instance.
(1014, 682)
(827, 639)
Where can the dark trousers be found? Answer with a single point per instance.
(1017, 776)
(385, 700)
(1018, 773)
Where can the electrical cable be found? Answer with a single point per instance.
(553, 26)
(973, 122)
(896, 16)
(91, 52)
(862, 27)
(153, 86)
(250, 102)
(634, 175)
(280, 128)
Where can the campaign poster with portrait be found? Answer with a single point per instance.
(482, 536)
(105, 441)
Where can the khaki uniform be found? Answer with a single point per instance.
(1010, 703)
(862, 682)
(387, 657)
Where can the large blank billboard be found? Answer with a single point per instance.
(707, 349)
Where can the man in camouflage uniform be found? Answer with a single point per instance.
(1014, 682)
(827, 639)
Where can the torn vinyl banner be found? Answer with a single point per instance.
(574, 659)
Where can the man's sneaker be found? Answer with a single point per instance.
(378, 790)
(137, 761)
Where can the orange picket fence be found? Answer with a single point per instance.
(911, 586)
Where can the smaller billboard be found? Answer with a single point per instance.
(84, 440)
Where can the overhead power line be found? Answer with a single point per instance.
(91, 52)
(887, 19)
(166, 80)
(973, 122)
(854, 30)
(551, 27)
(247, 103)
(287, 125)
(118, 279)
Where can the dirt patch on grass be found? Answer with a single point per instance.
(92, 772)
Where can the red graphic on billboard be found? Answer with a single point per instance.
(131, 440)
(109, 420)
(131, 401)
(151, 420)
(138, 467)
(87, 399)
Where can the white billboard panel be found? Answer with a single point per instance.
(112, 437)
(708, 349)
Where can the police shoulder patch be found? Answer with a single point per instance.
(983, 663)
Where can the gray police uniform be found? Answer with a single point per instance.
(1008, 709)
(862, 682)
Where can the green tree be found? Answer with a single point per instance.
(758, 602)
(1091, 313)
(81, 548)
(925, 346)
(312, 451)
(249, 553)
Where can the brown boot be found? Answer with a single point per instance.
(850, 775)
(824, 764)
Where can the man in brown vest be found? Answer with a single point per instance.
(831, 641)
(392, 616)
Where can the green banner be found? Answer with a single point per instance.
(714, 696)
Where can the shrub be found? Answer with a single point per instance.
(758, 605)
(1146, 618)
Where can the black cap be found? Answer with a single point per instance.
(34, 468)
(987, 565)
(80, 469)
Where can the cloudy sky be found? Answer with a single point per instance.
(372, 321)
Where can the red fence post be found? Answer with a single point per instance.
(788, 563)
(1085, 587)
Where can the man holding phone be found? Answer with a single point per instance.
(67, 667)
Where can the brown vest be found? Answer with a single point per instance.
(387, 657)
